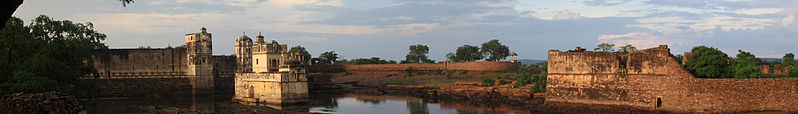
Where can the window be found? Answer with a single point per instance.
(659, 102)
(256, 61)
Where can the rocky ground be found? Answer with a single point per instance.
(39, 103)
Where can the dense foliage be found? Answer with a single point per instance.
(418, 54)
(708, 62)
(328, 57)
(465, 53)
(493, 50)
(745, 66)
(305, 55)
(605, 47)
(532, 74)
(372, 60)
(46, 55)
(792, 71)
(789, 59)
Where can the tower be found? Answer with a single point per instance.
(200, 62)
(244, 53)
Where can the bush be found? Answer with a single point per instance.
(29, 83)
(487, 81)
(792, 71)
(540, 83)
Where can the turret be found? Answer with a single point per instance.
(259, 39)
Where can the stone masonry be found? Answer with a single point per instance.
(652, 78)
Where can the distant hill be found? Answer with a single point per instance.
(530, 61)
(772, 59)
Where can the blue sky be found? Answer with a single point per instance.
(385, 28)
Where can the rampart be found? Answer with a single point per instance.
(466, 66)
(140, 62)
(148, 72)
(652, 78)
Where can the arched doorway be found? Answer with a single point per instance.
(251, 91)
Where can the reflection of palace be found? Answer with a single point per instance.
(267, 74)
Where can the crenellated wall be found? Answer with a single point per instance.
(652, 78)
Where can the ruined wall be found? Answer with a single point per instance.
(143, 87)
(466, 66)
(130, 62)
(224, 65)
(652, 78)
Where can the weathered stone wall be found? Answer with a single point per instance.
(652, 78)
(467, 66)
(224, 66)
(138, 87)
(128, 62)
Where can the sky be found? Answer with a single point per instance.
(385, 28)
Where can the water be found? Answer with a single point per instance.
(320, 102)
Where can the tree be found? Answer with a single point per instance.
(708, 62)
(627, 48)
(305, 55)
(789, 58)
(605, 47)
(372, 60)
(47, 54)
(465, 53)
(745, 65)
(679, 58)
(328, 57)
(494, 51)
(792, 71)
(418, 54)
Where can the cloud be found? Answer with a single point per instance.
(565, 14)
(787, 20)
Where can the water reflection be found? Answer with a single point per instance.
(324, 102)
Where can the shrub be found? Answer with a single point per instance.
(487, 81)
(792, 71)
(540, 83)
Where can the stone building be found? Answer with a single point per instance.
(244, 53)
(275, 78)
(200, 61)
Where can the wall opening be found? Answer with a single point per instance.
(251, 91)
(659, 102)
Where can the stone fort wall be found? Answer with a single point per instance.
(652, 78)
(421, 67)
(146, 72)
(137, 62)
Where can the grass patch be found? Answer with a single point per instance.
(403, 82)
(421, 76)
(439, 83)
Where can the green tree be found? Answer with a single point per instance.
(372, 60)
(679, 58)
(47, 52)
(328, 57)
(465, 53)
(418, 54)
(792, 71)
(305, 55)
(789, 58)
(745, 65)
(708, 62)
(605, 47)
(493, 50)
(627, 48)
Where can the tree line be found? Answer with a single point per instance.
(47, 54)
(492, 50)
(709, 62)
